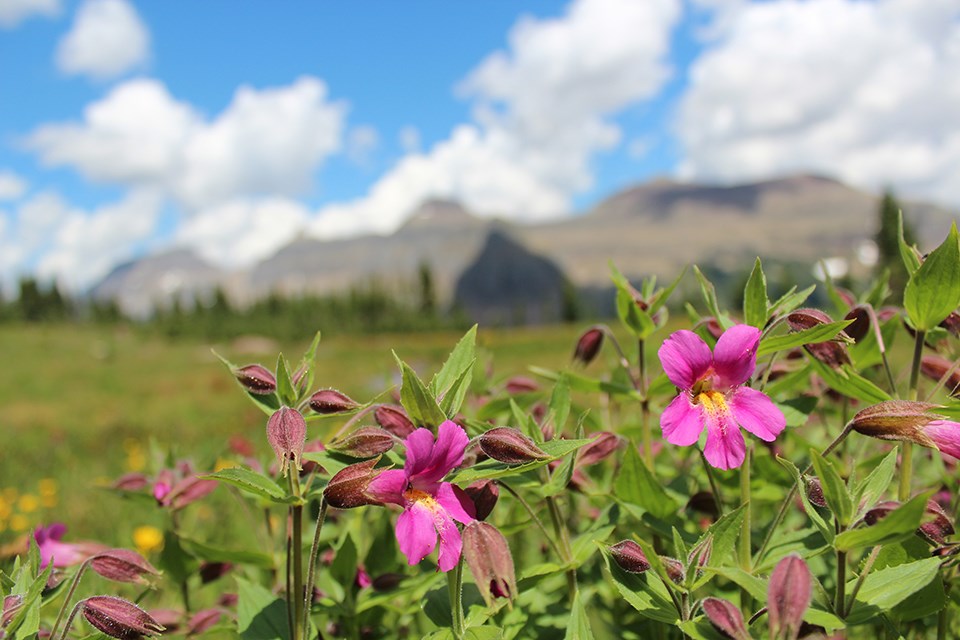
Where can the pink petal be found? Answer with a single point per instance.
(447, 453)
(685, 358)
(682, 422)
(456, 503)
(388, 486)
(450, 542)
(735, 356)
(416, 534)
(419, 451)
(725, 447)
(757, 413)
(946, 435)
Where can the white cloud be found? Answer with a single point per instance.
(863, 91)
(107, 40)
(241, 232)
(362, 141)
(13, 12)
(12, 186)
(541, 113)
(410, 139)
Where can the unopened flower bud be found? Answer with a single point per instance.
(700, 555)
(188, 491)
(674, 568)
(487, 554)
(952, 324)
(131, 482)
(788, 596)
(365, 442)
(508, 445)
(123, 565)
(831, 352)
(629, 556)
(11, 605)
(939, 528)
(725, 618)
(287, 433)
(362, 580)
(347, 488)
(588, 345)
(604, 444)
(704, 502)
(858, 329)
(521, 384)
(484, 495)
(119, 618)
(387, 581)
(299, 379)
(327, 401)
(936, 368)
(880, 511)
(815, 493)
(210, 571)
(203, 620)
(394, 419)
(256, 379)
(910, 422)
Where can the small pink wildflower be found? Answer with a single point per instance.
(62, 554)
(429, 505)
(713, 395)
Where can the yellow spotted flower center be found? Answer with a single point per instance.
(421, 497)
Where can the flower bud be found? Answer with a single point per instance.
(119, 618)
(365, 442)
(362, 580)
(952, 324)
(256, 379)
(299, 379)
(588, 345)
(604, 443)
(700, 555)
(347, 488)
(521, 384)
(327, 401)
(939, 528)
(788, 596)
(210, 571)
(704, 502)
(879, 511)
(674, 568)
(188, 491)
(910, 422)
(858, 329)
(11, 605)
(831, 352)
(394, 419)
(815, 493)
(484, 495)
(287, 433)
(203, 620)
(487, 554)
(131, 482)
(123, 565)
(936, 367)
(387, 581)
(629, 556)
(725, 618)
(508, 445)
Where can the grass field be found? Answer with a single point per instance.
(80, 405)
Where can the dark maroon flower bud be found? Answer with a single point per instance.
(299, 379)
(329, 401)
(788, 596)
(484, 495)
(131, 482)
(880, 511)
(387, 581)
(123, 565)
(521, 384)
(394, 419)
(832, 353)
(939, 528)
(506, 444)
(629, 556)
(815, 492)
(119, 618)
(365, 442)
(228, 600)
(11, 605)
(287, 433)
(674, 568)
(588, 345)
(937, 367)
(725, 618)
(847, 296)
(188, 491)
(203, 620)
(704, 502)
(604, 444)
(860, 326)
(347, 488)
(699, 556)
(486, 552)
(713, 327)
(210, 571)
(256, 379)
(952, 324)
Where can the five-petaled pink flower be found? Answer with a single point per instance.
(713, 395)
(429, 505)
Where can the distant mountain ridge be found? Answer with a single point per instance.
(653, 228)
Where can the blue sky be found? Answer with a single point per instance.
(128, 127)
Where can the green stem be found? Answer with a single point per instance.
(906, 448)
(645, 405)
(561, 532)
(311, 570)
(455, 586)
(745, 546)
(713, 483)
(533, 515)
(840, 599)
(863, 576)
(296, 557)
(66, 599)
(73, 614)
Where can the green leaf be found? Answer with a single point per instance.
(899, 524)
(643, 592)
(813, 335)
(578, 626)
(660, 298)
(456, 370)
(285, 390)
(883, 589)
(834, 489)
(709, 293)
(344, 565)
(755, 298)
(26, 621)
(420, 404)
(309, 361)
(825, 530)
(635, 484)
(175, 561)
(486, 632)
(252, 482)
(910, 258)
(724, 533)
(933, 291)
(491, 469)
(560, 403)
(584, 384)
(872, 488)
(850, 383)
(791, 300)
(633, 317)
(260, 614)
(453, 397)
(210, 553)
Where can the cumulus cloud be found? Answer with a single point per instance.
(107, 39)
(542, 110)
(862, 91)
(13, 12)
(12, 186)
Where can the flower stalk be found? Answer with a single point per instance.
(455, 586)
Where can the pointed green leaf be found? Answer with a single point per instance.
(661, 298)
(260, 614)
(459, 361)
(755, 298)
(825, 530)
(933, 291)
(251, 482)
(791, 300)
(644, 592)
(633, 317)
(709, 293)
(560, 403)
(818, 333)
(834, 489)
(420, 404)
(850, 383)
(910, 258)
(876, 484)
(285, 390)
(452, 398)
(309, 361)
(578, 626)
(724, 533)
(210, 553)
(899, 524)
(636, 485)
(883, 589)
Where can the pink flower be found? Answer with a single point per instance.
(62, 554)
(713, 395)
(429, 505)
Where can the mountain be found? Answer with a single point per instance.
(653, 228)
